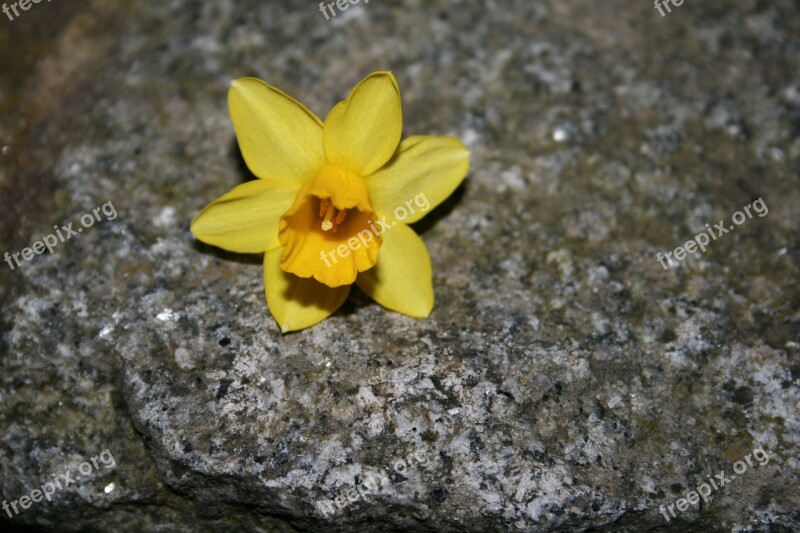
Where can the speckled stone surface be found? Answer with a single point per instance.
(565, 380)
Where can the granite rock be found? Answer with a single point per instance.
(565, 381)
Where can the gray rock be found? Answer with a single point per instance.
(565, 381)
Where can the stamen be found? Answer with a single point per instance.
(329, 212)
(331, 217)
(323, 206)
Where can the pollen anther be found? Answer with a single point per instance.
(332, 218)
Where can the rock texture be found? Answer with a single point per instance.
(565, 381)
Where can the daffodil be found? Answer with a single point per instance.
(333, 199)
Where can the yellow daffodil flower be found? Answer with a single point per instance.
(332, 200)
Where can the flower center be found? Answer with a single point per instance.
(328, 234)
(332, 217)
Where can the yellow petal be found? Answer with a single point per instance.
(402, 279)
(298, 303)
(425, 171)
(246, 220)
(362, 132)
(279, 138)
